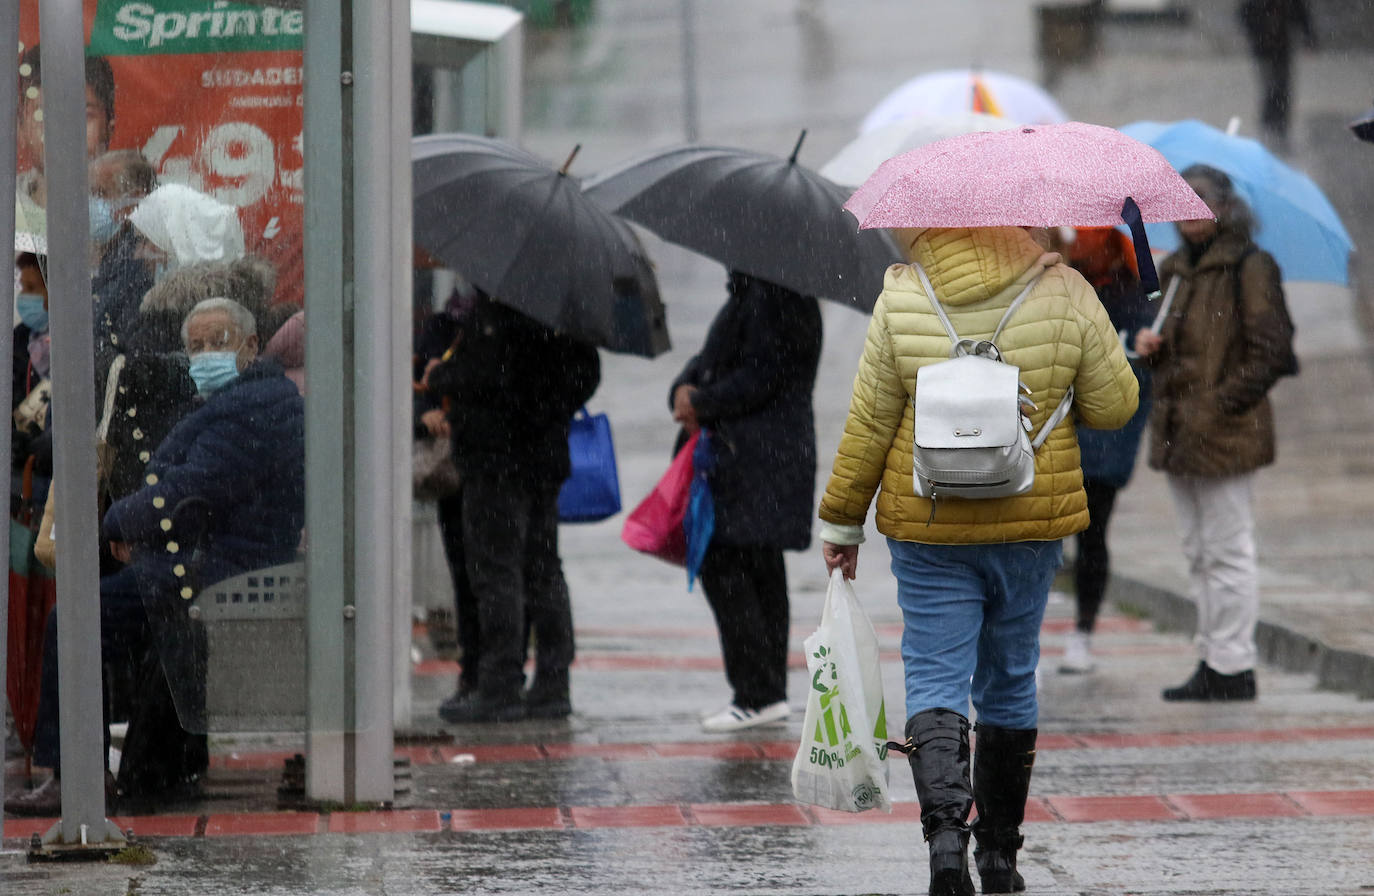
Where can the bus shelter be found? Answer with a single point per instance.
(293, 116)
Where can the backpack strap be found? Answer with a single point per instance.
(944, 318)
(1062, 409)
(1060, 412)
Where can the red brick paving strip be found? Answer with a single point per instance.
(1039, 810)
(1113, 808)
(246, 824)
(627, 816)
(401, 820)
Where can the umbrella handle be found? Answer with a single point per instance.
(1149, 278)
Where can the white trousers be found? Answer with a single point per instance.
(1217, 524)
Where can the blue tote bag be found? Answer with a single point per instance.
(591, 492)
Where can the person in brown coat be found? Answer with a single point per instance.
(1226, 341)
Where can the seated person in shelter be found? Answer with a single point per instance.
(154, 389)
(240, 458)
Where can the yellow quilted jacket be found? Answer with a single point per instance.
(1060, 335)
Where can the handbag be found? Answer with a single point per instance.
(434, 474)
(654, 527)
(591, 492)
(840, 761)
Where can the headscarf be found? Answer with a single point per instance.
(189, 226)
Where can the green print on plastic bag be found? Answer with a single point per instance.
(833, 727)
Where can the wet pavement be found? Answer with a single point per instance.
(1130, 795)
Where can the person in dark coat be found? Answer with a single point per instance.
(512, 387)
(750, 386)
(1106, 259)
(1226, 342)
(1268, 26)
(119, 179)
(29, 434)
(435, 336)
(224, 494)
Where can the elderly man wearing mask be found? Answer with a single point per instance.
(240, 459)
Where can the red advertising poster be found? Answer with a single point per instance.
(210, 92)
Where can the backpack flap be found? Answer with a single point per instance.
(967, 402)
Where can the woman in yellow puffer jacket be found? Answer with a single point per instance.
(973, 577)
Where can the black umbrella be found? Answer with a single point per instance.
(757, 213)
(1364, 126)
(525, 233)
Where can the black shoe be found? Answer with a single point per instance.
(548, 696)
(471, 709)
(547, 706)
(451, 703)
(1208, 684)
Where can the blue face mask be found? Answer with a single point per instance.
(213, 371)
(31, 311)
(103, 220)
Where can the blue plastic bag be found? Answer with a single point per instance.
(591, 493)
(700, 522)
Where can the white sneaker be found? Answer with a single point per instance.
(1078, 657)
(713, 711)
(732, 718)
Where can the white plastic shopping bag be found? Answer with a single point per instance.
(840, 763)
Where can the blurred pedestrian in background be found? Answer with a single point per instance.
(1226, 341)
(973, 576)
(750, 386)
(119, 181)
(513, 386)
(1269, 26)
(1106, 259)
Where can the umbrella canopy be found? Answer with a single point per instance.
(954, 91)
(1297, 225)
(527, 235)
(1363, 127)
(1071, 174)
(862, 155)
(761, 214)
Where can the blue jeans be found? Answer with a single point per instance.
(972, 616)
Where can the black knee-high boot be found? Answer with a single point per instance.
(939, 758)
(1001, 781)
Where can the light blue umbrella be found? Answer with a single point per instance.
(1296, 223)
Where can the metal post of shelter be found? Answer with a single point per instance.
(357, 254)
(9, 102)
(83, 823)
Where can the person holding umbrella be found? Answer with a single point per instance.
(973, 576)
(750, 386)
(1225, 342)
(512, 386)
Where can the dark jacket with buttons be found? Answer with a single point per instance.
(153, 393)
(236, 466)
